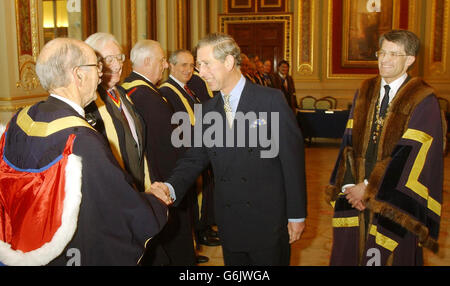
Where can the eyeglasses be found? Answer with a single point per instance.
(382, 54)
(99, 66)
(109, 59)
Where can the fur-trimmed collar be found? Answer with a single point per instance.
(408, 97)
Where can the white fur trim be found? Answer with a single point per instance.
(65, 232)
(2, 129)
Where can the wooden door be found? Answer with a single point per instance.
(266, 40)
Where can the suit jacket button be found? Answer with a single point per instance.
(244, 179)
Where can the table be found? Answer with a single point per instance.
(322, 123)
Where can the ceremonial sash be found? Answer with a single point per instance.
(130, 85)
(183, 99)
(110, 129)
(44, 129)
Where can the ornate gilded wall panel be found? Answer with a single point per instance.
(439, 39)
(306, 12)
(27, 43)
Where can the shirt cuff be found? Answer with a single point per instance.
(351, 185)
(296, 220)
(172, 191)
(346, 186)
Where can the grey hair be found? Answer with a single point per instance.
(141, 50)
(53, 67)
(174, 55)
(408, 39)
(223, 45)
(98, 40)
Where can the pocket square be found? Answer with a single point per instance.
(258, 122)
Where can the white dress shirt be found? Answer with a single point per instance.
(75, 106)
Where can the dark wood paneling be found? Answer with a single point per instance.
(151, 20)
(241, 6)
(255, 6)
(266, 40)
(272, 5)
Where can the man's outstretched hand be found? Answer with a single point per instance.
(161, 191)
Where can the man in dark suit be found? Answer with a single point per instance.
(267, 73)
(115, 116)
(64, 200)
(282, 80)
(260, 195)
(177, 91)
(149, 62)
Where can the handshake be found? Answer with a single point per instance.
(161, 191)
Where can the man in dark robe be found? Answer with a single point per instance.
(149, 63)
(114, 114)
(199, 87)
(386, 188)
(177, 89)
(64, 200)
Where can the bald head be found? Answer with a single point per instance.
(148, 59)
(56, 60)
(143, 49)
(68, 68)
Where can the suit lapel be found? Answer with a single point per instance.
(245, 102)
(245, 105)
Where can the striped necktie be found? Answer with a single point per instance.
(191, 94)
(227, 108)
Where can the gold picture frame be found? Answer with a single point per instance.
(351, 30)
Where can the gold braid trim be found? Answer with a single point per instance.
(393, 213)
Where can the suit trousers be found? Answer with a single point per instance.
(277, 255)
